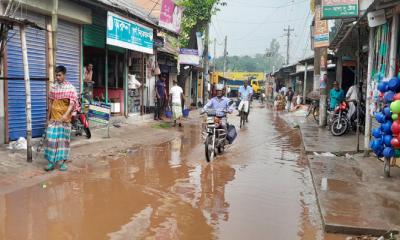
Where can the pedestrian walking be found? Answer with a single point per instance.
(176, 102)
(63, 101)
(289, 98)
(161, 97)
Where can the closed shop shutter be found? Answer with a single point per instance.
(16, 114)
(68, 50)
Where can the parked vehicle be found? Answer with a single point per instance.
(80, 123)
(215, 136)
(342, 123)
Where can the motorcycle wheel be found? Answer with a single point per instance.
(209, 149)
(87, 132)
(339, 127)
(221, 150)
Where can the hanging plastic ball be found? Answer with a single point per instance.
(383, 87)
(376, 132)
(395, 106)
(387, 139)
(388, 152)
(376, 144)
(388, 97)
(396, 97)
(387, 127)
(387, 112)
(394, 84)
(395, 143)
(395, 128)
(379, 152)
(397, 153)
(395, 116)
(380, 117)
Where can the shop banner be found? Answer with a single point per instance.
(332, 9)
(321, 31)
(170, 16)
(125, 33)
(99, 112)
(189, 57)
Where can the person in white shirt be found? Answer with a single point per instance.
(176, 100)
(352, 96)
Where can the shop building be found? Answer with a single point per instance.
(81, 38)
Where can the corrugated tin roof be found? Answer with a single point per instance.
(130, 8)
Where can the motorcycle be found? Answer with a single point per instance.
(80, 123)
(341, 123)
(214, 135)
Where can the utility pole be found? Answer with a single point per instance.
(28, 106)
(225, 53)
(287, 35)
(215, 55)
(206, 63)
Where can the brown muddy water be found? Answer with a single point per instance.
(260, 188)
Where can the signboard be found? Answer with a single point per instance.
(170, 16)
(321, 31)
(99, 112)
(125, 33)
(189, 57)
(339, 9)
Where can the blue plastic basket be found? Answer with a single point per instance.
(186, 113)
(168, 114)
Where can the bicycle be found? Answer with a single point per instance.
(313, 109)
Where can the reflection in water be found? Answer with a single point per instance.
(167, 191)
(175, 160)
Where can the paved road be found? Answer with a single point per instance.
(260, 188)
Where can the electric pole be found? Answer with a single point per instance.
(215, 54)
(287, 35)
(225, 54)
(206, 64)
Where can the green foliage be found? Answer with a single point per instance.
(196, 15)
(257, 63)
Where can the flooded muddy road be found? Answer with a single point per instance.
(260, 188)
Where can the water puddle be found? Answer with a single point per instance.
(259, 189)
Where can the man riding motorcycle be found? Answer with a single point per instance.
(220, 104)
(245, 95)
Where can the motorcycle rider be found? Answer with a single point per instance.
(352, 96)
(220, 104)
(245, 95)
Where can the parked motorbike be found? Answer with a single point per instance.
(80, 123)
(341, 123)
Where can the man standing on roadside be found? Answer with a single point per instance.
(161, 97)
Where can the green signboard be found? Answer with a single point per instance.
(125, 33)
(332, 9)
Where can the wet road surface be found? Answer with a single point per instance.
(260, 188)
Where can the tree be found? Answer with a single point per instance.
(196, 16)
(258, 63)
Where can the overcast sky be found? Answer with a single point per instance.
(251, 24)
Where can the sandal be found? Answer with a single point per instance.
(49, 167)
(63, 167)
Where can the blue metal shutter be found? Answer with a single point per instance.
(36, 42)
(68, 51)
